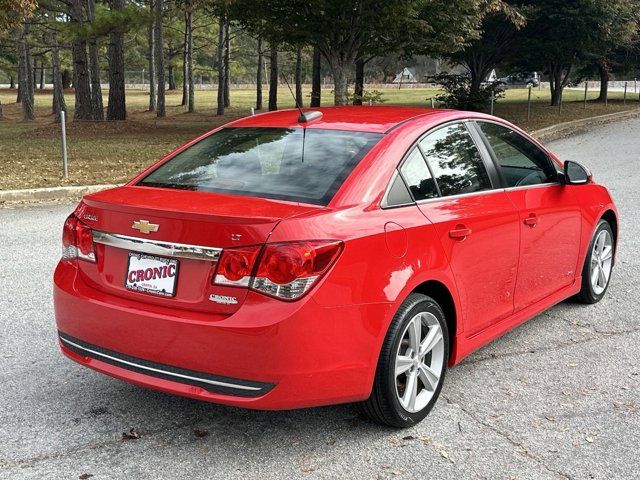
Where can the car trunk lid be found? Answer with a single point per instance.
(176, 235)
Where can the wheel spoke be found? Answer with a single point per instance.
(607, 253)
(411, 391)
(415, 333)
(602, 281)
(403, 364)
(429, 377)
(600, 244)
(434, 336)
(594, 275)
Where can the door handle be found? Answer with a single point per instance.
(531, 220)
(460, 232)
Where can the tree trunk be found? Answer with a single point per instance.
(358, 89)
(12, 82)
(117, 108)
(316, 81)
(151, 63)
(19, 92)
(185, 91)
(66, 79)
(59, 103)
(171, 76)
(81, 81)
(42, 76)
(339, 71)
(555, 85)
(299, 77)
(220, 66)
(604, 70)
(94, 67)
(159, 57)
(26, 76)
(227, 69)
(82, 87)
(273, 79)
(191, 92)
(34, 72)
(259, 76)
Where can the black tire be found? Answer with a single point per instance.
(383, 405)
(587, 294)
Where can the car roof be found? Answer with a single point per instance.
(377, 119)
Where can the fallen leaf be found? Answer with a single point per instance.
(409, 437)
(200, 433)
(589, 439)
(84, 476)
(132, 434)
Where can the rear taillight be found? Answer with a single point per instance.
(284, 270)
(235, 266)
(77, 240)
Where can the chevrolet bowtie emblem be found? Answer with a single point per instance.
(145, 227)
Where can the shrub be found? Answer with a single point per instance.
(457, 92)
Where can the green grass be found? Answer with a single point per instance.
(112, 152)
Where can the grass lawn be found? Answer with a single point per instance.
(112, 152)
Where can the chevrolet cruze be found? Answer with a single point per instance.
(349, 254)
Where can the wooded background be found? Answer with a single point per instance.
(89, 44)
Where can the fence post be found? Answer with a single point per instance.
(493, 94)
(606, 97)
(142, 86)
(1, 114)
(586, 89)
(529, 104)
(432, 104)
(624, 100)
(63, 127)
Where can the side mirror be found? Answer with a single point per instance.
(575, 174)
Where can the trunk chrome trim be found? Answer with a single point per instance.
(157, 247)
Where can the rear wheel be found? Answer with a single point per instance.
(412, 364)
(598, 265)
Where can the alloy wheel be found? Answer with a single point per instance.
(601, 262)
(419, 362)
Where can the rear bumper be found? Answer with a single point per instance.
(268, 355)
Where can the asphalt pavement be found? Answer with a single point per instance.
(556, 398)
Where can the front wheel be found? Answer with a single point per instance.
(412, 364)
(598, 265)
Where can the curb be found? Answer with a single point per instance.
(566, 129)
(51, 194)
(547, 134)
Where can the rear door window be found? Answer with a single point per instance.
(455, 161)
(281, 163)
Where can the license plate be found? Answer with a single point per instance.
(150, 274)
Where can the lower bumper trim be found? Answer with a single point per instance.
(211, 383)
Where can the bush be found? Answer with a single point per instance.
(457, 92)
(373, 96)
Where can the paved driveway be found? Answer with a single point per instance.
(557, 398)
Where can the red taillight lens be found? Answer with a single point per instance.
(69, 232)
(285, 270)
(77, 240)
(289, 270)
(235, 266)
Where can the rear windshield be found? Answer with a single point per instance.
(300, 165)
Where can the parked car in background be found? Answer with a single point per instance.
(528, 79)
(349, 254)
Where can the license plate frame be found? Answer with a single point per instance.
(153, 286)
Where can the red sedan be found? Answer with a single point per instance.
(349, 254)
